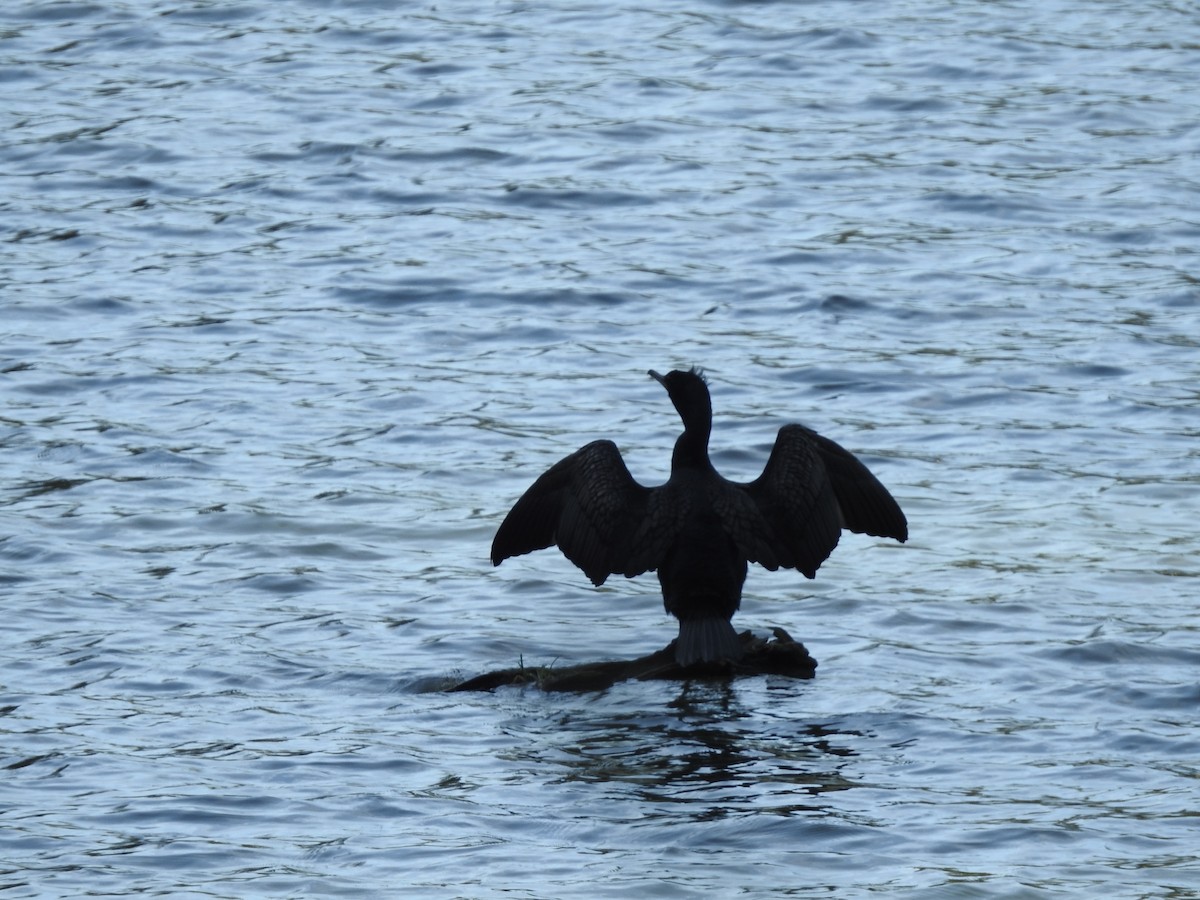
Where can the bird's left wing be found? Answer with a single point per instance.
(590, 506)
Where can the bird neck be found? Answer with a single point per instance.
(691, 449)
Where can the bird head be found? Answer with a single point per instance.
(689, 393)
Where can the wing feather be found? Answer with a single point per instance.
(665, 514)
(867, 506)
(810, 489)
(796, 498)
(591, 507)
(746, 523)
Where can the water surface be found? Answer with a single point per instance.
(297, 299)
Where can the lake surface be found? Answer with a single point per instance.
(298, 298)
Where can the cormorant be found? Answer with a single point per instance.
(699, 530)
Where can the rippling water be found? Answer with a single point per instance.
(299, 297)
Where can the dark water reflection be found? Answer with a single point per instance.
(700, 752)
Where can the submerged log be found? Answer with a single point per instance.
(778, 656)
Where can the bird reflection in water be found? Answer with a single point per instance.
(704, 751)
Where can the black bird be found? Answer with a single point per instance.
(699, 530)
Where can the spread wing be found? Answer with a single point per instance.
(591, 507)
(810, 489)
(867, 507)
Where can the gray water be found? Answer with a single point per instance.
(297, 298)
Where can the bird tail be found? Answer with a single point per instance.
(706, 641)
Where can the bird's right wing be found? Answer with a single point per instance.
(811, 489)
(796, 498)
(867, 506)
(590, 506)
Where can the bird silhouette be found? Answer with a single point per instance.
(699, 530)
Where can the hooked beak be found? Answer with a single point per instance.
(659, 378)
